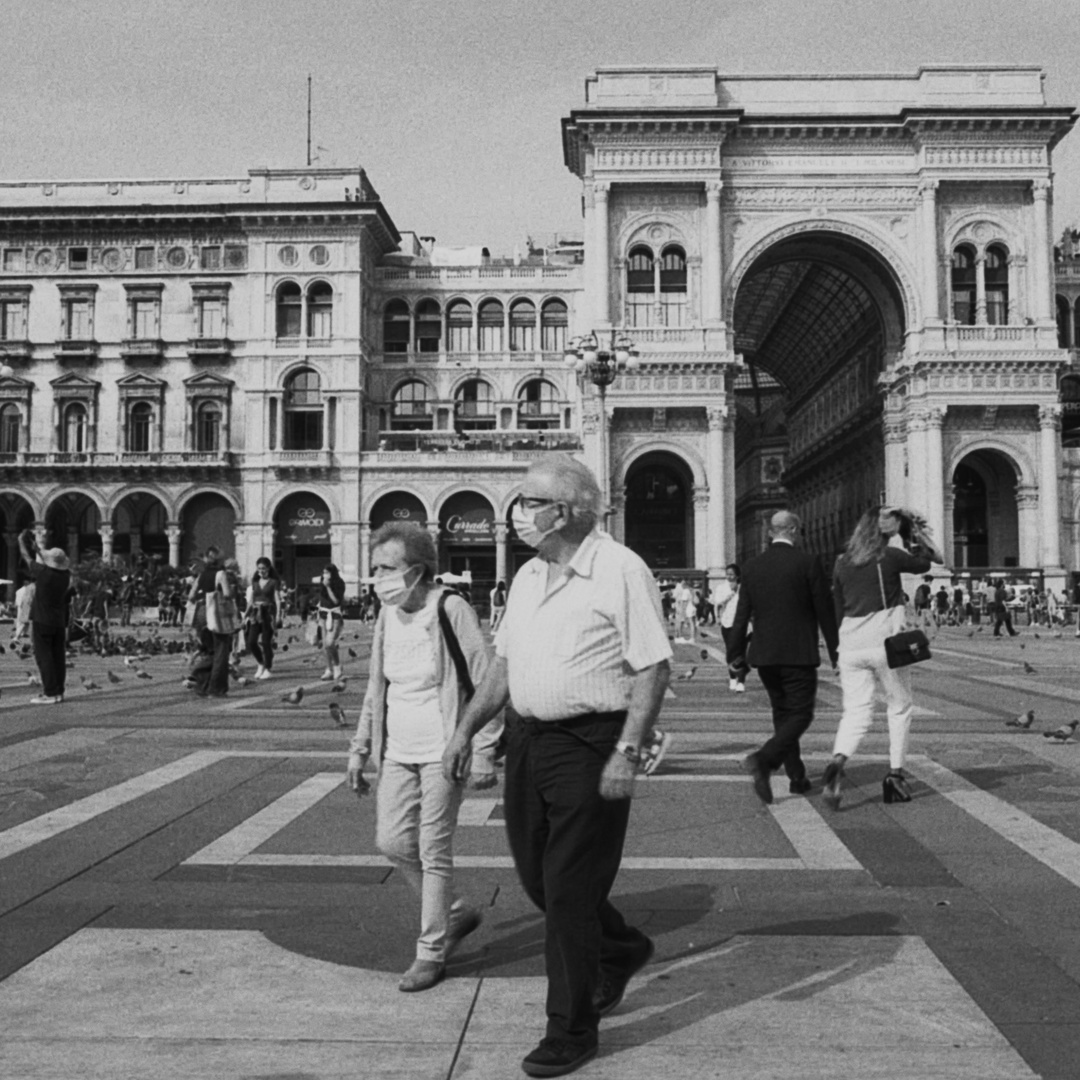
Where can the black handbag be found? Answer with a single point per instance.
(907, 647)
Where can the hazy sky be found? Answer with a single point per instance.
(453, 107)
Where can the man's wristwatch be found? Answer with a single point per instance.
(629, 751)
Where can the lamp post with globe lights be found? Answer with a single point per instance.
(601, 366)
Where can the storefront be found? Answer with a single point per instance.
(398, 506)
(301, 540)
(467, 543)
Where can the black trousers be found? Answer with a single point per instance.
(792, 693)
(214, 680)
(50, 652)
(1003, 617)
(567, 845)
(260, 637)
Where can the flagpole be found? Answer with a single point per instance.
(309, 121)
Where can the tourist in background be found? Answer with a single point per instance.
(498, 604)
(332, 619)
(726, 600)
(868, 594)
(212, 679)
(49, 615)
(263, 616)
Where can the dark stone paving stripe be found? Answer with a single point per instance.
(315, 875)
(36, 928)
(41, 732)
(43, 866)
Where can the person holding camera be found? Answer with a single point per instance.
(49, 614)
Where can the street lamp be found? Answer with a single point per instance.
(601, 366)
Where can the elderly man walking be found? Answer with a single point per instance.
(786, 595)
(582, 656)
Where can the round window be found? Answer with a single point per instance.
(177, 258)
(288, 255)
(320, 254)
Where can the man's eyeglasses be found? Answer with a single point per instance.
(529, 502)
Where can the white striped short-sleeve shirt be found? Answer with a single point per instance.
(574, 648)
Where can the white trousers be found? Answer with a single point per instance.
(863, 668)
(416, 811)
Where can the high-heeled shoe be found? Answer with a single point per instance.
(894, 788)
(830, 782)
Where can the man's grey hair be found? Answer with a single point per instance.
(784, 523)
(575, 484)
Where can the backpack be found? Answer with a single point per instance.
(453, 645)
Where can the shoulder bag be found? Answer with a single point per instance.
(454, 648)
(907, 647)
(221, 616)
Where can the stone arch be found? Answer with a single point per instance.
(625, 461)
(660, 509)
(128, 490)
(988, 497)
(458, 488)
(891, 258)
(228, 494)
(308, 363)
(389, 488)
(969, 228)
(1017, 456)
(323, 491)
(8, 496)
(675, 229)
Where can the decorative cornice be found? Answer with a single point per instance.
(775, 197)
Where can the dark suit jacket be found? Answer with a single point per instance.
(786, 594)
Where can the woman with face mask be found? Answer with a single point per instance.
(332, 617)
(415, 685)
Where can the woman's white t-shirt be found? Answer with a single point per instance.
(414, 723)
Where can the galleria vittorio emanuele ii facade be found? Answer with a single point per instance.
(840, 290)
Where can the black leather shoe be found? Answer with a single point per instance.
(555, 1057)
(800, 786)
(762, 784)
(612, 987)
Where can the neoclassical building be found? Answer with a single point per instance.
(841, 290)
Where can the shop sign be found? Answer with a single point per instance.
(472, 527)
(305, 524)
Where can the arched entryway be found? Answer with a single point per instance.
(467, 542)
(986, 519)
(398, 506)
(73, 522)
(207, 520)
(302, 525)
(139, 530)
(660, 511)
(16, 514)
(815, 316)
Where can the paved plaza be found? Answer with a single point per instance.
(189, 890)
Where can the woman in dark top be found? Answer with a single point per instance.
(869, 598)
(49, 614)
(211, 680)
(263, 615)
(332, 617)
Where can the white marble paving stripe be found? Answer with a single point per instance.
(505, 862)
(1058, 852)
(237, 843)
(47, 746)
(477, 812)
(818, 847)
(46, 826)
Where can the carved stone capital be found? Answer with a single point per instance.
(928, 189)
(895, 431)
(1027, 496)
(718, 417)
(701, 497)
(173, 532)
(601, 190)
(590, 424)
(713, 189)
(501, 532)
(1050, 416)
(935, 416)
(1040, 190)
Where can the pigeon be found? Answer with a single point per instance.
(971, 633)
(703, 633)
(130, 661)
(1028, 669)
(337, 714)
(686, 676)
(2, 650)
(1022, 645)
(113, 678)
(1063, 733)
(978, 629)
(32, 679)
(1024, 720)
(352, 652)
(338, 687)
(295, 697)
(243, 680)
(1037, 634)
(704, 654)
(89, 684)
(284, 648)
(1057, 633)
(143, 675)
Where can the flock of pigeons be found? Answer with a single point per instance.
(1061, 734)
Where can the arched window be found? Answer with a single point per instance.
(140, 428)
(640, 287)
(474, 406)
(673, 286)
(396, 327)
(289, 306)
(74, 430)
(428, 326)
(996, 268)
(523, 326)
(963, 285)
(1064, 323)
(10, 429)
(538, 406)
(459, 326)
(1069, 396)
(208, 427)
(554, 319)
(412, 407)
(320, 311)
(303, 411)
(490, 320)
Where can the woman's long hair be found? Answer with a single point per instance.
(867, 541)
(336, 584)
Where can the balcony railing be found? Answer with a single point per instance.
(19, 349)
(484, 274)
(540, 358)
(76, 349)
(209, 349)
(1027, 337)
(142, 349)
(488, 442)
(150, 459)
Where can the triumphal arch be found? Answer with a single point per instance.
(841, 289)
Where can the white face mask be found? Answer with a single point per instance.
(525, 525)
(393, 588)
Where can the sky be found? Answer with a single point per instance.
(452, 107)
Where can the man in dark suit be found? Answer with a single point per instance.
(786, 595)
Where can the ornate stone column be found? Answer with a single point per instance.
(1050, 516)
(1042, 306)
(980, 290)
(174, 532)
(711, 264)
(106, 532)
(713, 555)
(502, 535)
(935, 472)
(931, 294)
(601, 227)
(702, 499)
(365, 549)
(590, 437)
(11, 544)
(915, 485)
(895, 460)
(1027, 513)
(616, 521)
